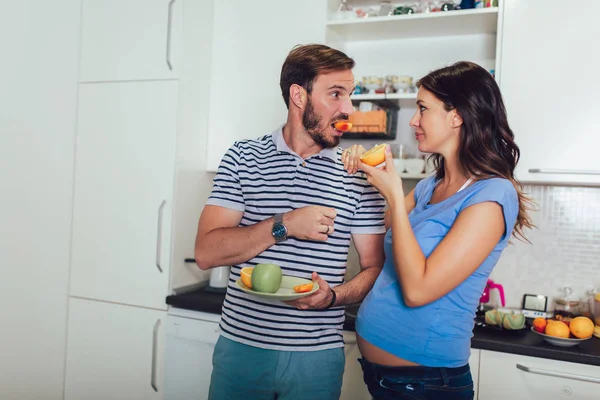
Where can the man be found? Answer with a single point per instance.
(286, 199)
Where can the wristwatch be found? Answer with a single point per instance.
(279, 231)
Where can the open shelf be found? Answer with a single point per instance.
(406, 175)
(384, 96)
(442, 23)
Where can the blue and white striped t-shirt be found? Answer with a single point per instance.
(264, 177)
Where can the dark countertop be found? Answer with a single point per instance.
(524, 343)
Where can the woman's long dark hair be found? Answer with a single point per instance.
(487, 147)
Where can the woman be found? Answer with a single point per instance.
(414, 327)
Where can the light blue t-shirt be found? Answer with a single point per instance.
(437, 334)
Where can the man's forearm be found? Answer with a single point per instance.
(231, 246)
(355, 290)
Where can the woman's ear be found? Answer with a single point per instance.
(456, 120)
(297, 96)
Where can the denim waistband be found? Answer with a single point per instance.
(418, 372)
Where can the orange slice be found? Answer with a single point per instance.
(374, 156)
(307, 287)
(246, 275)
(343, 126)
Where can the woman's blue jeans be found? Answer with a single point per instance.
(417, 383)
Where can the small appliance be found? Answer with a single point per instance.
(219, 278)
(536, 306)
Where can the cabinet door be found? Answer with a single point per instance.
(353, 384)
(188, 366)
(550, 89)
(130, 39)
(474, 365)
(123, 189)
(114, 352)
(250, 43)
(500, 378)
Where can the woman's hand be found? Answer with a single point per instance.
(351, 157)
(385, 178)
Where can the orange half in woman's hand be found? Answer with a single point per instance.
(374, 156)
(307, 287)
(343, 126)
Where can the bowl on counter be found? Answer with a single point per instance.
(558, 341)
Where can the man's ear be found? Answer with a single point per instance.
(456, 120)
(298, 96)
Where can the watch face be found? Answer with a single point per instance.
(279, 231)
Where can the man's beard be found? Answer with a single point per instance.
(312, 123)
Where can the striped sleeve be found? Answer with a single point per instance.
(227, 191)
(369, 215)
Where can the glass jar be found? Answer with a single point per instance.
(566, 307)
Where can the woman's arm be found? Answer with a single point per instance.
(471, 239)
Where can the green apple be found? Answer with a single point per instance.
(266, 278)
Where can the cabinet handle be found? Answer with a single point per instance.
(558, 374)
(154, 351)
(159, 235)
(563, 171)
(169, 26)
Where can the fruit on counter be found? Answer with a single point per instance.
(513, 321)
(597, 297)
(246, 276)
(581, 327)
(563, 319)
(374, 156)
(343, 126)
(490, 317)
(500, 317)
(266, 278)
(307, 287)
(557, 329)
(597, 331)
(539, 324)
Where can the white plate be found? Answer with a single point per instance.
(557, 341)
(286, 290)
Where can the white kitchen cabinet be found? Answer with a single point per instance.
(504, 376)
(474, 365)
(250, 43)
(130, 39)
(38, 110)
(124, 175)
(189, 349)
(114, 352)
(548, 81)
(353, 384)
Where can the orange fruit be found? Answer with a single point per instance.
(343, 126)
(246, 275)
(558, 329)
(539, 324)
(582, 327)
(307, 287)
(374, 156)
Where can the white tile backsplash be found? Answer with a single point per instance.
(564, 249)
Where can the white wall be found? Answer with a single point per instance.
(38, 81)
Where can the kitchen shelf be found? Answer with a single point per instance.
(442, 23)
(384, 96)
(406, 175)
